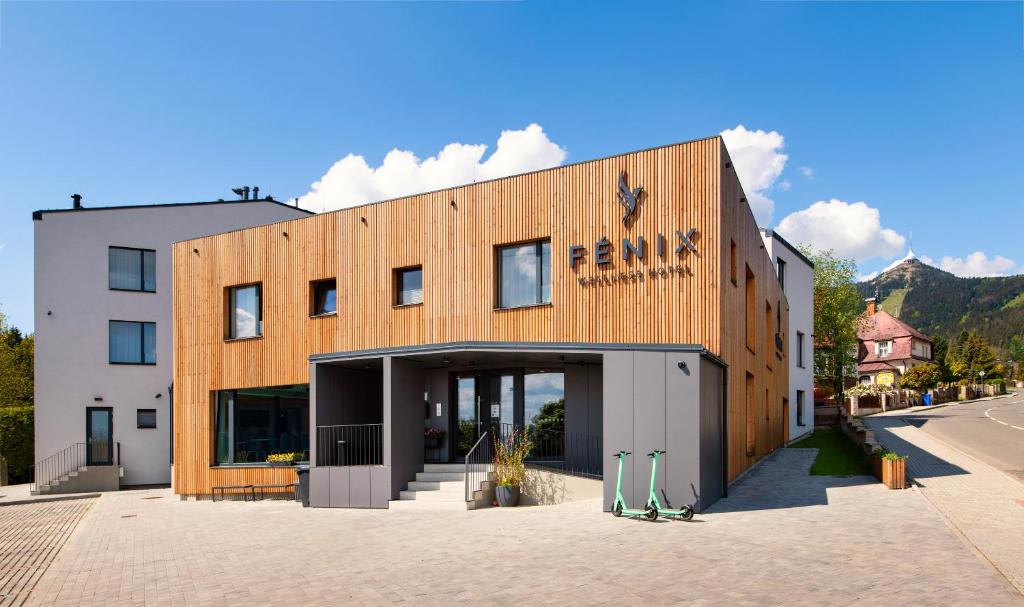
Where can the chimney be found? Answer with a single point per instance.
(872, 305)
(76, 201)
(255, 192)
(245, 193)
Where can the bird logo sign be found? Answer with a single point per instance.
(628, 198)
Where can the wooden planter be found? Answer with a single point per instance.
(892, 472)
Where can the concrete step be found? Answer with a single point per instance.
(427, 506)
(451, 467)
(449, 486)
(440, 476)
(432, 496)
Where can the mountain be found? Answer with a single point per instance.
(936, 302)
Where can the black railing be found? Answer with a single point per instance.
(69, 459)
(350, 445)
(480, 461)
(568, 452)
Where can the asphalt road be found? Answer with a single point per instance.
(991, 431)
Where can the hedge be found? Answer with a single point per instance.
(16, 432)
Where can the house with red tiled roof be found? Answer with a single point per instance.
(887, 347)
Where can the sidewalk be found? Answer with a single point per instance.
(984, 504)
(11, 495)
(898, 412)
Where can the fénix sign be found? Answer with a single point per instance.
(682, 243)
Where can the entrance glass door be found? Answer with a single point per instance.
(99, 436)
(484, 402)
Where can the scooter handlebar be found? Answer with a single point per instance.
(651, 454)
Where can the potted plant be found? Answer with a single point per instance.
(510, 466)
(432, 437)
(890, 468)
(282, 459)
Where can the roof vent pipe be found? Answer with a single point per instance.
(76, 201)
(255, 192)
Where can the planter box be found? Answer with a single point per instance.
(892, 472)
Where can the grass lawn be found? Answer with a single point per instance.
(838, 455)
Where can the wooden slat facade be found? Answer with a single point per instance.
(453, 233)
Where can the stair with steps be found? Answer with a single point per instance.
(442, 487)
(82, 480)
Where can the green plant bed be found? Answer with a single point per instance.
(838, 455)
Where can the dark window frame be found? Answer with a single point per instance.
(800, 400)
(780, 264)
(539, 252)
(396, 282)
(750, 313)
(142, 343)
(138, 420)
(314, 296)
(142, 269)
(800, 349)
(229, 404)
(229, 311)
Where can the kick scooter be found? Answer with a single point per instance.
(684, 514)
(619, 505)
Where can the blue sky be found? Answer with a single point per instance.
(913, 108)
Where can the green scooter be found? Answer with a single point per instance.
(683, 514)
(619, 505)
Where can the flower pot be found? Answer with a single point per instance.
(894, 473)
(507, 496)
(431, 443)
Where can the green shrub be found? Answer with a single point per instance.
(922, 377)
(16, 432)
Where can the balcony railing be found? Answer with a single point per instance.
(350, 445)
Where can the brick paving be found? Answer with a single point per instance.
(983, 503)
(30, 537)
(782, 537)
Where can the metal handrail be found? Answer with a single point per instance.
(471, 475)
(50, 468)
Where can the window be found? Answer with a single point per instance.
(800, 408)
(325, 297)
(132, 269)
(732, 261)
(751, 425)
(883, 348)
(132, 343)
(253, 423)
(800, 349)
(409, 286)
(145, 418)
(768, 334)
(782, 273)
(245, 312)
(525, 274)
(751, 312)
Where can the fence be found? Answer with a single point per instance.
(350, 445)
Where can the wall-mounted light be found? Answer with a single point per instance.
(363, 219)
(158, 396)
(743, 199)
(196, 251)
(683, 367)
(284, 233)
(98, 399)
(728, 165)
(454, 206)
(49, 312)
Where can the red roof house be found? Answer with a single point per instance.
(887, 347)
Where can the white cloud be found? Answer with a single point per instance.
(784, 185)
(758, 158)
(868, 276)
(850, 229)
(807, 172)
(351, 181)
(976, 264)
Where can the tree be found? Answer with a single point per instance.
(940, 348)
(922, 377)
(969, 356)
(837, 307)
(16, 355)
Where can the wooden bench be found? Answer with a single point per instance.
(263, 488)
(245, 496)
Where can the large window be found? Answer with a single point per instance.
(325, 297)
(132, 343)
(525, 272)
(409, 286)
(132, 269)
(245, 312)
(253, 423)
(544, 401)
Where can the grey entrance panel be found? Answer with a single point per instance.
(648, 421)
(682, 410)
(618, 419)
(712, 433)
(404, 385)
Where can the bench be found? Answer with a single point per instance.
(245, 496)
(263, 488)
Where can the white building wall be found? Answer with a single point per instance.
(73, 305)
(799, 289)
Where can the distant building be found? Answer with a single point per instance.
(103, 335)
(887, 347)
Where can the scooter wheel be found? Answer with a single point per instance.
(652, 514)
(617, 510)
(686, 513)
